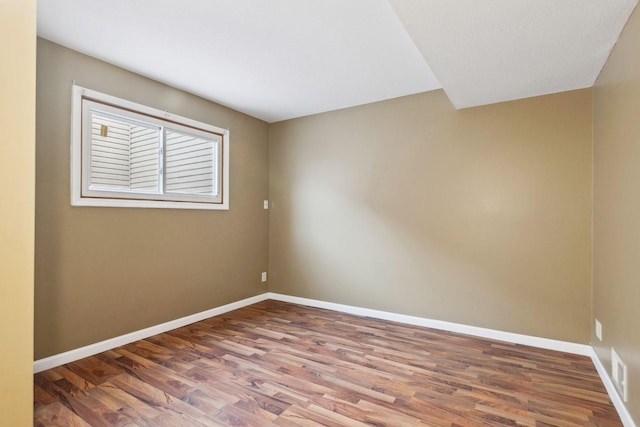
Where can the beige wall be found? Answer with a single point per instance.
(103, 272)
(480, 216)
(17, 172)
(616, 235)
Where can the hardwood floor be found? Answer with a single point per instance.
(280, 364)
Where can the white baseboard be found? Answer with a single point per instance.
(625, 416)
(99, 347)
(567, 347)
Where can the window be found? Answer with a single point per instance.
(128, 155)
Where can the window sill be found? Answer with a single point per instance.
(128, 203)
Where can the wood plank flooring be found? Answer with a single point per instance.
(280, 364)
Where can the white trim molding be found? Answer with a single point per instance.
(99, 347)
(86, 103)
(567, 347)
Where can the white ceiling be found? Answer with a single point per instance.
(274, 59)
(280, 59)
(487, 51)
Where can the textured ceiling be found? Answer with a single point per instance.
(487, 51)
(280, 59)
(274, 59)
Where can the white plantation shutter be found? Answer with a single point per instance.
(189, 164)
(128, 155)
(125, 155)
(109, 153)
(145, 158)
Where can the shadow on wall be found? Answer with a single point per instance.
(455, 221)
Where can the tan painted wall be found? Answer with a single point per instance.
(103, 272)
(17, 172)
(480, 216)
(616, 264)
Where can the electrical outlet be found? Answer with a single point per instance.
(619, 375)
(264, 276)
(266, 204)
(598, 330)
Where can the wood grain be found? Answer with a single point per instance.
(281, 364)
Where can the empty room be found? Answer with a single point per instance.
(320, 213)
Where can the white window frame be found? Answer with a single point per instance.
(81, 195)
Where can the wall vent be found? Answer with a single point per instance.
(619, 375)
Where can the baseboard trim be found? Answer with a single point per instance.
(625, 416)
(567, 347)
(99, 347)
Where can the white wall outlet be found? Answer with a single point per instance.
(266, 204)
(598, 330)
(264, 276)
(619, 375)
